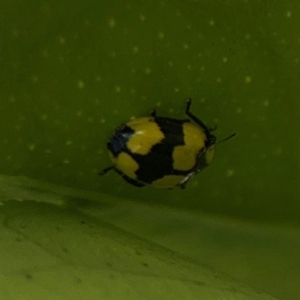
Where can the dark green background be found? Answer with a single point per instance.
(71, 71)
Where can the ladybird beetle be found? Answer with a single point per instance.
(161, 152)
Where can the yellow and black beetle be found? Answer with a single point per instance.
(161, 152)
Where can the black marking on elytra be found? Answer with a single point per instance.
(172, 129)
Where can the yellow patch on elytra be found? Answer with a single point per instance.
(126, 164)
(146, 134)
(185, 156)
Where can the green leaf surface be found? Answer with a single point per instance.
(50, 250)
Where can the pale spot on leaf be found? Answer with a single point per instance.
(148, 71)
(44, 117)
(248, 79)
(266, 103)
(211, 23)
(117, 89)
(111, 22)
(31, 147)
(135, 49)
(230, 172)
(34, 79)
(80, 84)
(161, 35)
(277, 151)
(61, 40)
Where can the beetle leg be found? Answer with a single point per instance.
(153, 113)
(132, 181)
(104, 171)
(183, 185)
(126, 178)
(193, 117)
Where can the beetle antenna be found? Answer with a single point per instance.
(227, 138)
